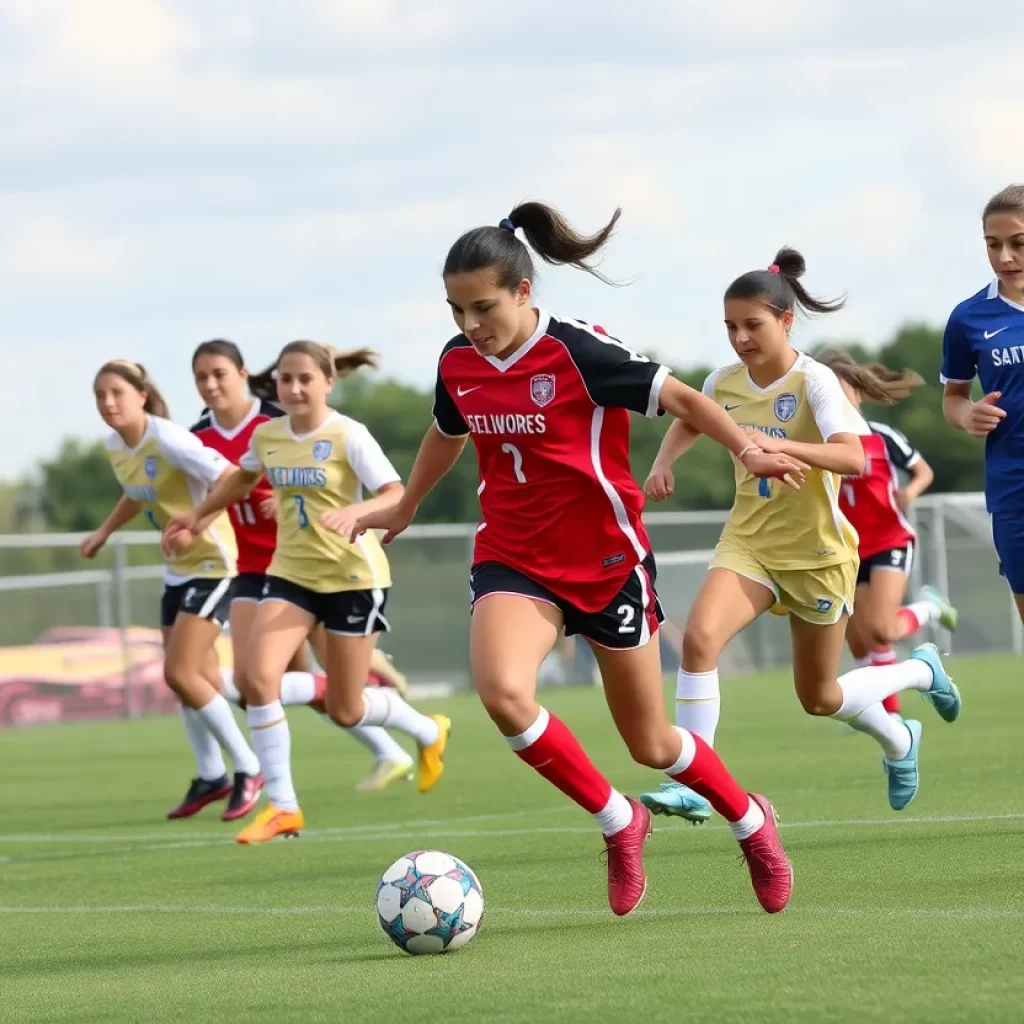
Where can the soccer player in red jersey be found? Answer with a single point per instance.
(236, 403)
(875, 504)
(561, 543)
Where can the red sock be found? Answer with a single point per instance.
(887, 656)
(892, 704)
(909, 621)
(557, 755)
(709, 777)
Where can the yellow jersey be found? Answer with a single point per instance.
(169, 472)
(311, 473)
(784, 528)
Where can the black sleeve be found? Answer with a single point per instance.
(614, 374)
(270, 409)
(446, 413)
(202, 423)
(902, 454)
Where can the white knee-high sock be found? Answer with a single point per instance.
(221, 722)
(209, 760)
(888, 730)
(386, 707)
(866, 686)
(298, 687)
(698, 703)
(268, 727)
(378, 741)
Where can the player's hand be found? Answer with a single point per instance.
(763, 441)
(90, 547)
(781, 467)
(392, 521)
(188, 521)
(268, 507)
(660, 483)
(175, 541)
(984, 416)
(341, 520)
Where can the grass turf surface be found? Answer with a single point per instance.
(110, 913)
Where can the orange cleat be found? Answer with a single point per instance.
(270, 823)
(431, 759)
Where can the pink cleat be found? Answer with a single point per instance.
(627, 881)
(770, 870)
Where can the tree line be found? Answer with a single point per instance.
(76, 488)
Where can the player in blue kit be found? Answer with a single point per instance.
(985, 339)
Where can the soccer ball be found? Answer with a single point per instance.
(429, 902)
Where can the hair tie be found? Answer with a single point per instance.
(507, 225)
(774, 268)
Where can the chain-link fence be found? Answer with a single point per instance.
(44, 585)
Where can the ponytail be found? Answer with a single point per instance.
(548, 233)
(873, 381)
(333, 364)
(779, 287)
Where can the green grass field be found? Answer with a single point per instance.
(109, 913)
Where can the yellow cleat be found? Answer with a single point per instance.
(384, 773)
(431, 759)
(270, 823)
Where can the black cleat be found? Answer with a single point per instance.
(200, 793)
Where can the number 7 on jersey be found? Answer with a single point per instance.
(517, 461)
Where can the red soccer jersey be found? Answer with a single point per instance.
(551, 429)
(869, 500)
(255, 534)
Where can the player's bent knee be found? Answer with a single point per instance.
(658, 751)
(260, 688)
(819, 705)
(701, 645)
(345, 713)
(511, 710)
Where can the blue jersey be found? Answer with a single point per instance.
(985, 339)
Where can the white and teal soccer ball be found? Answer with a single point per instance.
(429, 902)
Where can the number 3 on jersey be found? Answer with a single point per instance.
(300, 505)
(517, 461)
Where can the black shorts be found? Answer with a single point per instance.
(890, 560)
(344, 612)
(248, 586)
(206, 598)
(629, 621)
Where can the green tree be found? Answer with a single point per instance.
(78, 487)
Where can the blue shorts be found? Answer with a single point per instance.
(1008, 535)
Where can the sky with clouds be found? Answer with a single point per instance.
(174, 170)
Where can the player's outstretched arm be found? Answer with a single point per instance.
(438, 453)
(700, 413)
(123, 512)
(841, 453)
(232, 485)
(678, 440)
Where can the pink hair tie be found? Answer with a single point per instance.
(774, 268)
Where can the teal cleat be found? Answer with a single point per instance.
(949, 617)
(673, 798)
(943, 696)
(903, 777)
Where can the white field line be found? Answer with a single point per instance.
(419, 832)
(874, 913)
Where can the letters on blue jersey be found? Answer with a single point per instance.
(984, 338)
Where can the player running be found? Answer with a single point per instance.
(790, 549)
(318, 461)
(984, 338)
(166, 471)
(875, 504)
(546, 401)
(237, 402)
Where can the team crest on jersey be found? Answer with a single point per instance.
(785, 407)
(321, 449)
(150, 467)
(542, 388)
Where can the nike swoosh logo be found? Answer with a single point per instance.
(462, 393)
(354, 618)
(729, 408)
(270, 451)
(994, 333)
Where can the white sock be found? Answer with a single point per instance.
(862, 662)
(890, 731)
(698, 703)
(297, 687)
(378, 741)
(750, 823)
(268, 727)
(924, 611)
(230, 692)
(209, 760)
(221, 722)
(386, 707)
(883, 656)
(866, 686)
(615, 816)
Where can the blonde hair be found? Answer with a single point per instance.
(873, 381)
(333, 364)
(137, 376)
